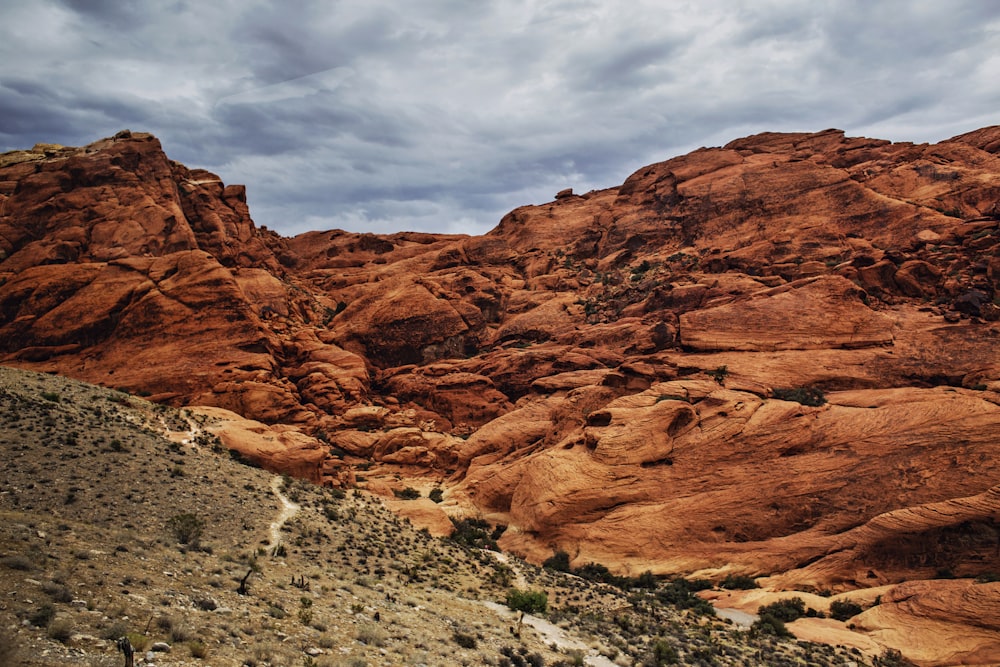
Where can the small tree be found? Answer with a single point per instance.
(187, 528)
(530, 602)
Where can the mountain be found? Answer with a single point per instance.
(778, 357)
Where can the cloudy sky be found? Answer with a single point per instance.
(442, 115)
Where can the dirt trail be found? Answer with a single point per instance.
(288, 510)
(553, 634)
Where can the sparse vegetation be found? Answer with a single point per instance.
(811, 396)
(738, 582)
(719, 374)
(844, 609)
(365, 580)
(186, 528)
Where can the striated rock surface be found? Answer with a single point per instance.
(776, 357)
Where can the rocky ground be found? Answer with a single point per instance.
(94, 546)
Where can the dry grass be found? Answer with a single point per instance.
(87, 526)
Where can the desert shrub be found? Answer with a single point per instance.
(57, 592)
(51, 396)
(680, 594)
(812, 396)
(409, 493)
(559, 561)
(844, 609)
(42, 616)
(17, 562)
(476, 533)
(206, 604)
(530, 602)
(198, 649)
(719, 374)
(371, 635)
(464, 639)
(891, 658)
(187, 528)
(769, 625)
(60, 630)
(436, 494)
(663, 653)
(115, 630)
(645, 580)
(738, 582)
(784, 610)
(601, 574)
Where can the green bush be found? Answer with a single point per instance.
(559, 561)
(769, 625)
(738, 582)
(680, 594)
(476, 533)
(436, 494)
(664, 653)
(844, 609)
(409, 493)
(719, 374)
(784, 610)
(530, 602)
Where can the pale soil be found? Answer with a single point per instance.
(90, 485)
(288, 510)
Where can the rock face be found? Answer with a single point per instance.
(774, 357)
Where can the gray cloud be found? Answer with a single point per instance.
(442, 116)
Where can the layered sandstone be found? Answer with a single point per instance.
(776, 357)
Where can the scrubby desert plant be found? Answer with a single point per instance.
(738, 582)
(844, 609)
(784, 610)
(187, 528)
(371, 634)
(61, 629)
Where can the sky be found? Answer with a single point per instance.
(441, 116)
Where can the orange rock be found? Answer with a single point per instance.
(599, 371)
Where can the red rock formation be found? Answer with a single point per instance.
(604, 372)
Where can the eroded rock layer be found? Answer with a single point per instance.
(774, 357)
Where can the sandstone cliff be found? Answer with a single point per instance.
(774, 357)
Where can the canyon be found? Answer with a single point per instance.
(776, 358)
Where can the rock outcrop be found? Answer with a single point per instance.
(774, 357)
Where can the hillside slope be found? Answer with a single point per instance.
(94, 545)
